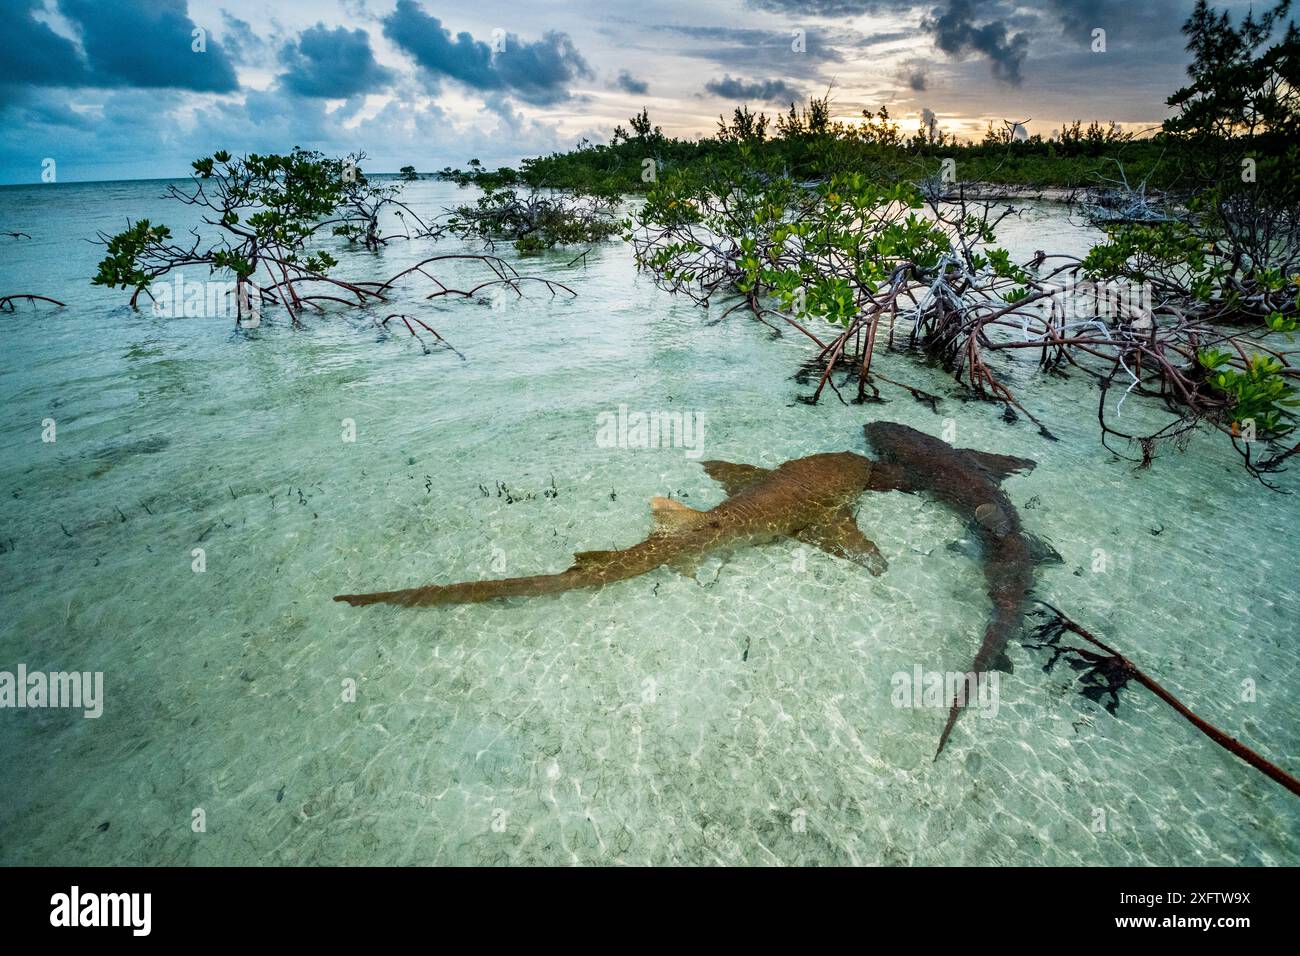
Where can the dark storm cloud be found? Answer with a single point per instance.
(959, 27)
(630, 84)
(828, 8)
(1002, 31)
(958, 31)
(463, 59)
(1123, 20)
(537, 73)
(147, 43)
(916, 80)
(44, 110)
(540, 72)
(772, 91)
(130, 43)
(34, 54)
(332, 64)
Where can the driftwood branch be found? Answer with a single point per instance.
(1115, 670)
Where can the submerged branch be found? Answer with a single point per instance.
(1115, 669)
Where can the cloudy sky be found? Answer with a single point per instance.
(115, 89)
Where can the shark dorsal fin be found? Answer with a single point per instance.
(670, 515)
(1000, 466)
(734, 478)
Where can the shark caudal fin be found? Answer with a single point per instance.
(589, 568)
(475, 592)
(947, 728)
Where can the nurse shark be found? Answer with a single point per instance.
(806, 499)
(970, 483)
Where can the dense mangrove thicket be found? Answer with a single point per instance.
(867, 241)
(808, 143)
(859, 237)
(535, 220)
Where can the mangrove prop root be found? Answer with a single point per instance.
(408, 319)
(925, 398)
(1115, 670)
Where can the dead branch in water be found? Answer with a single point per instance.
(7, 301)
(1109, 672)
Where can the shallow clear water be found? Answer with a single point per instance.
(742, 717)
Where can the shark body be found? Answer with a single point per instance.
(808, 499)
(969, 482)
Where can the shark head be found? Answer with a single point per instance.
(895, 443)
(903, 455)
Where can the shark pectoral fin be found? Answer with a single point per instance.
(1041, 550)
(1003, 663)
(670, 515)
(842, 538)
(734, 478)
(1000, 466)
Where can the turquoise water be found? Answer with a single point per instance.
(744, 716)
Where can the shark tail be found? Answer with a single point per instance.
(947, 728)
(474, 592)
(590, 569)
(992, 654)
